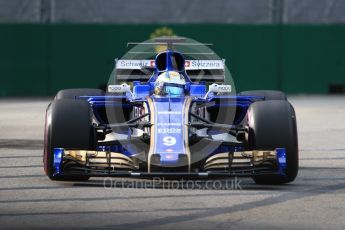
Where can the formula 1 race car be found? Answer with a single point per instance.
(170, 117)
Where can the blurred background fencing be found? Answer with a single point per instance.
(293, 45)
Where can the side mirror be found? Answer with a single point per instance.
(216, 88)
(123, 88)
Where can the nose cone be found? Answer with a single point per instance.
(169, 145)
(165, 162)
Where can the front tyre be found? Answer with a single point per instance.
(268, 95)
(68, 125)
(272, 124)
(75, 93)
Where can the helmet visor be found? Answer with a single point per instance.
(174, 90)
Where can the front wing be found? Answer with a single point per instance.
(113, 164)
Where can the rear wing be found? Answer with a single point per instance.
(197, 70)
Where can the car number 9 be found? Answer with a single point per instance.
(169, 141)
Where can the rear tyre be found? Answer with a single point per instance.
(267, 94)
(68, 125)
(73, 93)
(272, 124)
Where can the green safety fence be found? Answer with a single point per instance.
(39, 59)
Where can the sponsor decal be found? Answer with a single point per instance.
(169, 130)
(225, 88)
(206, 64)
(115, 87)
(189, 64)
(132, 64)
(169, 112)
(169, 124)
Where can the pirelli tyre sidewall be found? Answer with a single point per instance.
(272, 124)
(68, 125)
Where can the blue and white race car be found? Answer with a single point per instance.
(170, 117)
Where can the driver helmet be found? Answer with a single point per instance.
(170, 83)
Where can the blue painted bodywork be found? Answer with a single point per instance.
(169, 120)
(58, 152)
(169, 110)
(169, 114)
(281, 154)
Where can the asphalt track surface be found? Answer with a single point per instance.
(315, 200)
